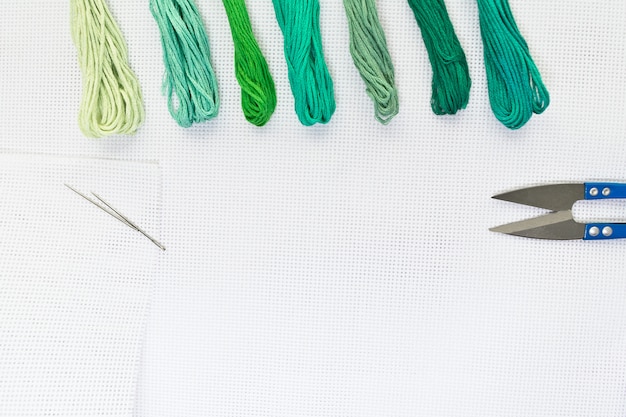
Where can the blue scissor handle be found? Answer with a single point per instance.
(604, 190)
(605, 231)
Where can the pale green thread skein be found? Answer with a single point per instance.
(190, 82)
(258, 93)
(451, 80)
(111, 101)
(368, 48)
(309, 78)
(516, 90)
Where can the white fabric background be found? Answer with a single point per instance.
(75, 285)
(348, 269)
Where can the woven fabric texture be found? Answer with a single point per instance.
(75, 285)
(347, 269)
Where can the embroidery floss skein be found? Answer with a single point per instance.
(190, 82)
(111, 101)
(516, 90)
(310, 81)
(451, 80)
(368, 47)
(258, 93)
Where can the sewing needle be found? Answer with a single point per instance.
(116, 214)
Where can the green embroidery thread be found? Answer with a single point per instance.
(258, 93)
(451, 80)
(368, 47)
(111, 102)
(190, 83)
(516, 90)
(309, 78)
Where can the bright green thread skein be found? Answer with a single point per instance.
(258, 94)
(368, 48)
(190, 82)
(111, 101)
(515, 87)
(451, 80)
(310, 81)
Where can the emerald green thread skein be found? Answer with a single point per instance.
(190, 82)
(516, 90)
(258, 94)
(309, 78)
(111, 102)
(451, 80)
(368, 47)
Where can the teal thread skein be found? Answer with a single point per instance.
(258, 93)
(190, 82)
(309, 78)
(516, 90)
(368, 47)
(451, 80)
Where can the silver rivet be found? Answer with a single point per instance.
(607, 231)
(593, 192)
(594, 231)
(606, 192)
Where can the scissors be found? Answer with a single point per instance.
(559, 224)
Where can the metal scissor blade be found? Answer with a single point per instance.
(559, 225)
(555, 197)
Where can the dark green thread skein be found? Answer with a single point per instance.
(309, 78)
(190, 82)
(258, 93)
(451, 80)
(516, 90)
(368, 47)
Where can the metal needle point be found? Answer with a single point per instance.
(116, 214)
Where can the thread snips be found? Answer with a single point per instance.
(559, 224)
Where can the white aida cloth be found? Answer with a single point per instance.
(75, 285)
(347, 269)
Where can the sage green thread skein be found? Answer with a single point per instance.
(309, 78)
(368, 47)
(190, 83)
(451, 80)
(111, 102)
(516, 90)
(258, 93)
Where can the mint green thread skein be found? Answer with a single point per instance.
(368, 47)
(309, 78)
(451, 80)
(258, 93)
(516, 90)
(190, 83)
(111, 102)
